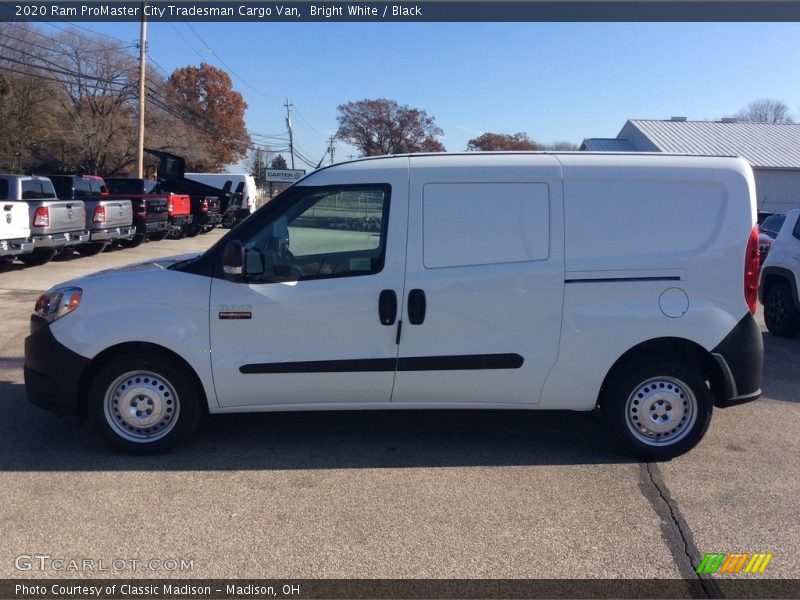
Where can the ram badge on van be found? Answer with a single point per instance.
(624, 282)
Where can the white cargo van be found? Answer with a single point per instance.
(452, 281)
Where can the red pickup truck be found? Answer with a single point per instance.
(179, 208)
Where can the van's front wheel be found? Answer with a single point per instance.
(145, 405)
(658, 411)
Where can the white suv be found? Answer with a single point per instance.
(780, 278)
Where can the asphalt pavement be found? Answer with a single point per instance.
(419, 494)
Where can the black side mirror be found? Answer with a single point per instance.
(233, 261)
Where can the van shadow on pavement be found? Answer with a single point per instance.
(33, 439)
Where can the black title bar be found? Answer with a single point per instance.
(402, 11)
(300, 589)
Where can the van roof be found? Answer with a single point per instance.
(554, 153)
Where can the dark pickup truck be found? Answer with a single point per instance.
(108, 220)
(150, 212)
(207, 201)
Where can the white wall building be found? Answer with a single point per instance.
(772, 149)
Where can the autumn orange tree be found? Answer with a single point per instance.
(206, 99)
(382, 126)
(502, 141)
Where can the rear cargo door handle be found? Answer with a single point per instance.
(387, 307)
(416, 307)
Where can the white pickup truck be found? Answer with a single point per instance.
(15, 230)
(55, 224)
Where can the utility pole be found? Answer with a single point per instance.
(142, 58)
(289, 126)
(333, 149)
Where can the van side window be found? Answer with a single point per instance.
(3, 189)
(796, 230)
(330, 232)
(467, 224)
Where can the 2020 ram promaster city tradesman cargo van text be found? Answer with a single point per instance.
(527, 281)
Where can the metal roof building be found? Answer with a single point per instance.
(772, 149)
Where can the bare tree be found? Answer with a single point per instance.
(70, 102)
(382, 126)
(258, 161)
(765, 110)
(101, 88)
(560, 146)
(489, 142)
(29, 116)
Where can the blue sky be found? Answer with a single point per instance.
(555, 81)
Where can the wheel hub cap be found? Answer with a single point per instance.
(141, 406)
(661, 411)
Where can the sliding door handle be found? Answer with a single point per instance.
(387, 307)
(416, 307)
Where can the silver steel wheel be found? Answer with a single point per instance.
(661, 411)
(141, 406)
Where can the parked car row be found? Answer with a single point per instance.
(767, 231)
(780, 278)
(44, 217)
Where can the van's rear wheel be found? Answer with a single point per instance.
(780, 313)
(145, 404)
(659, 410)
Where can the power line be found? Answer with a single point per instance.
(192, 48)
(58, 69)
(66, 56)
(64, 30)
(311, 127)
(234, 73)
(109, 37)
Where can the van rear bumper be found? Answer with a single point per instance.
(740, 357)
(52, 371)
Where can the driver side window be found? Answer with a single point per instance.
(330, 232)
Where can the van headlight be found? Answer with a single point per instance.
(56, 303)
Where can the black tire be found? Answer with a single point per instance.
(65, 254)
(38, 257)
(157, 237)
(153, 382)
(133, 242)
(179, 235)
(657, 407)
(91, 249)
(780, 312)
(5, 263)
(193, 230)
